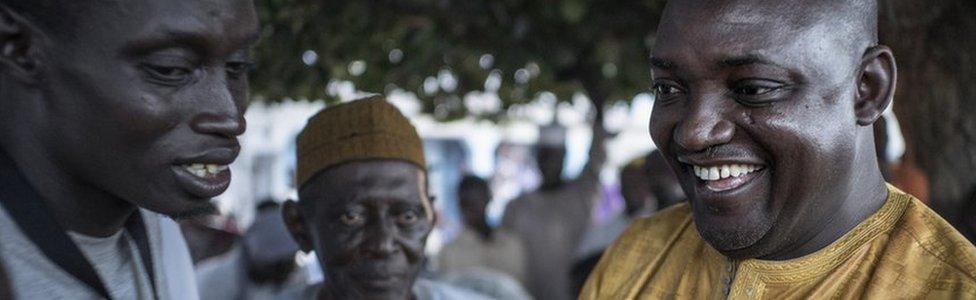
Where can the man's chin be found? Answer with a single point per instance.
(201, 209)
(737, 243)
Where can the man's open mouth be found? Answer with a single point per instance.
(204, 170)
(204, 181)
(720, 178)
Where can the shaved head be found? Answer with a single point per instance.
(852, 23)
(53, 16)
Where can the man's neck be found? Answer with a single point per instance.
(485, 232)
(867, 194)
(77, 206)
(551, 185)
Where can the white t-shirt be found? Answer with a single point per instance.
(118, 263)
(33, 276)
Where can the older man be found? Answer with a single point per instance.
(363, 203)
(112, 115)
(764, 110)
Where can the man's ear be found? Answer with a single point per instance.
(876, 85)
(295, 222)
(17, 45)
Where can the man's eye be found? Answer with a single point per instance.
(408, 218)
(665, 89)
(237, 69)
(168, 74)
(752, 90)
(352, 219)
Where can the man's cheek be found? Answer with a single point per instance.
(341, 246)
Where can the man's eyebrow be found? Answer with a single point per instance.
(198, 41)
(749, 59)
(168, 38)
(661, 63)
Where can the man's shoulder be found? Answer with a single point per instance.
(434, 290)
(660, 224)
(941, 246)
(643, 245)
(653, 234)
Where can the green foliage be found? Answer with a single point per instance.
(599, 48)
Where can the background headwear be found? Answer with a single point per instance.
(370, 128)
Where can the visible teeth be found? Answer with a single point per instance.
(205, 170)
(723, 171)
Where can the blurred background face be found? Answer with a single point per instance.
(635, 188)
(740, 90)
(368, 222)
(146, 99)
(474, 196)
(550, 160)
(663, 182)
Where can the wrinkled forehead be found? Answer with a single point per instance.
(213, 23)
(369, 181)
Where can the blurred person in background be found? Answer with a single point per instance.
(209, 236)
(647, 185)
(363, 204)
(551, 221)
(665, 188)
(479, 246)
(260, 266)
(115, 117)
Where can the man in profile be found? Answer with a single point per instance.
(113, 115)
(764, 110)
(363, 205)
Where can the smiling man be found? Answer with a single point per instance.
(363, 204)
(114, 114)
(764, 111)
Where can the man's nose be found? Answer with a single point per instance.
(381, 239)
(704, 126)
(217, 111)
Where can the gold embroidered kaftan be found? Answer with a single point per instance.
(902, 251)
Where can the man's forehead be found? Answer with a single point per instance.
(748, 11)
(212, 21)
(737, 33)
(370, 179)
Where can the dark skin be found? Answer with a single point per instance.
(474, 196)
(649, 185)
(664, 184)
(636, 190)
(550, 161)
(368, 223)
(740, 82)
(101, 119)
